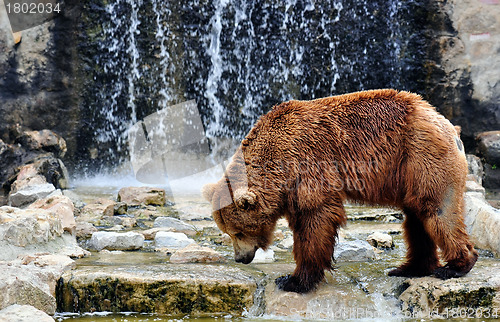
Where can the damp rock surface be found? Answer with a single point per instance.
(164, 289)
(478, 291)
(354, 251)
(193, 253)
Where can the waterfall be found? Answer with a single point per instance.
(235, 59)
(215, 73)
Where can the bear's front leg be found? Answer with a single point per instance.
(314, 237)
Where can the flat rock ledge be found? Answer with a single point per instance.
(162, 289)
(476, 295)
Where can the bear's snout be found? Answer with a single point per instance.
(246, 258)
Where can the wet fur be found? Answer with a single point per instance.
(303, 159)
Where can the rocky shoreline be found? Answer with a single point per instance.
(146, 259)
(131, 249)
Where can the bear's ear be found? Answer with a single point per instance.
(244, 198)
(208, 191)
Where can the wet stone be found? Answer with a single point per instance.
(262, 256)
(479, 290)
(165, 289)
(354, 251)
(194, 253)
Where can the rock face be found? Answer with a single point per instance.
(475, 168)
(32, 280)
(136, 196)
(354, 251)
(489, 149)
(163, 289)
(116, 241)
(483, 222)
(24, 313)
(44, 140)
(444, 50)
(38, 90)
(464, 79)
(63, 207)
(33, 231)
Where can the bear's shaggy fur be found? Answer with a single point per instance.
(303, 159)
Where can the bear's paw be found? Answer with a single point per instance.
(290, 283)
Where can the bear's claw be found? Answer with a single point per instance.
(447, 272)
(289, 283)
(408, 272)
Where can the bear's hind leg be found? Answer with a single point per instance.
(314, 236)
(447, 228)
(421, 257)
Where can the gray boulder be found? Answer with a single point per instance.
(175, 224)
(483, 222)
(489, 146)
(354, 251)
(30, 194)
(167, 239)
(116, 241)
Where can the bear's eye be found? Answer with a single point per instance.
(239, 235)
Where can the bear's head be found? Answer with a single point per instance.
(239, 214)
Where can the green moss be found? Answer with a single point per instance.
(177, 296)
(482, 297)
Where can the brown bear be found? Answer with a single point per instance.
(303, 159)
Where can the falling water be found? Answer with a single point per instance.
(236, 59)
